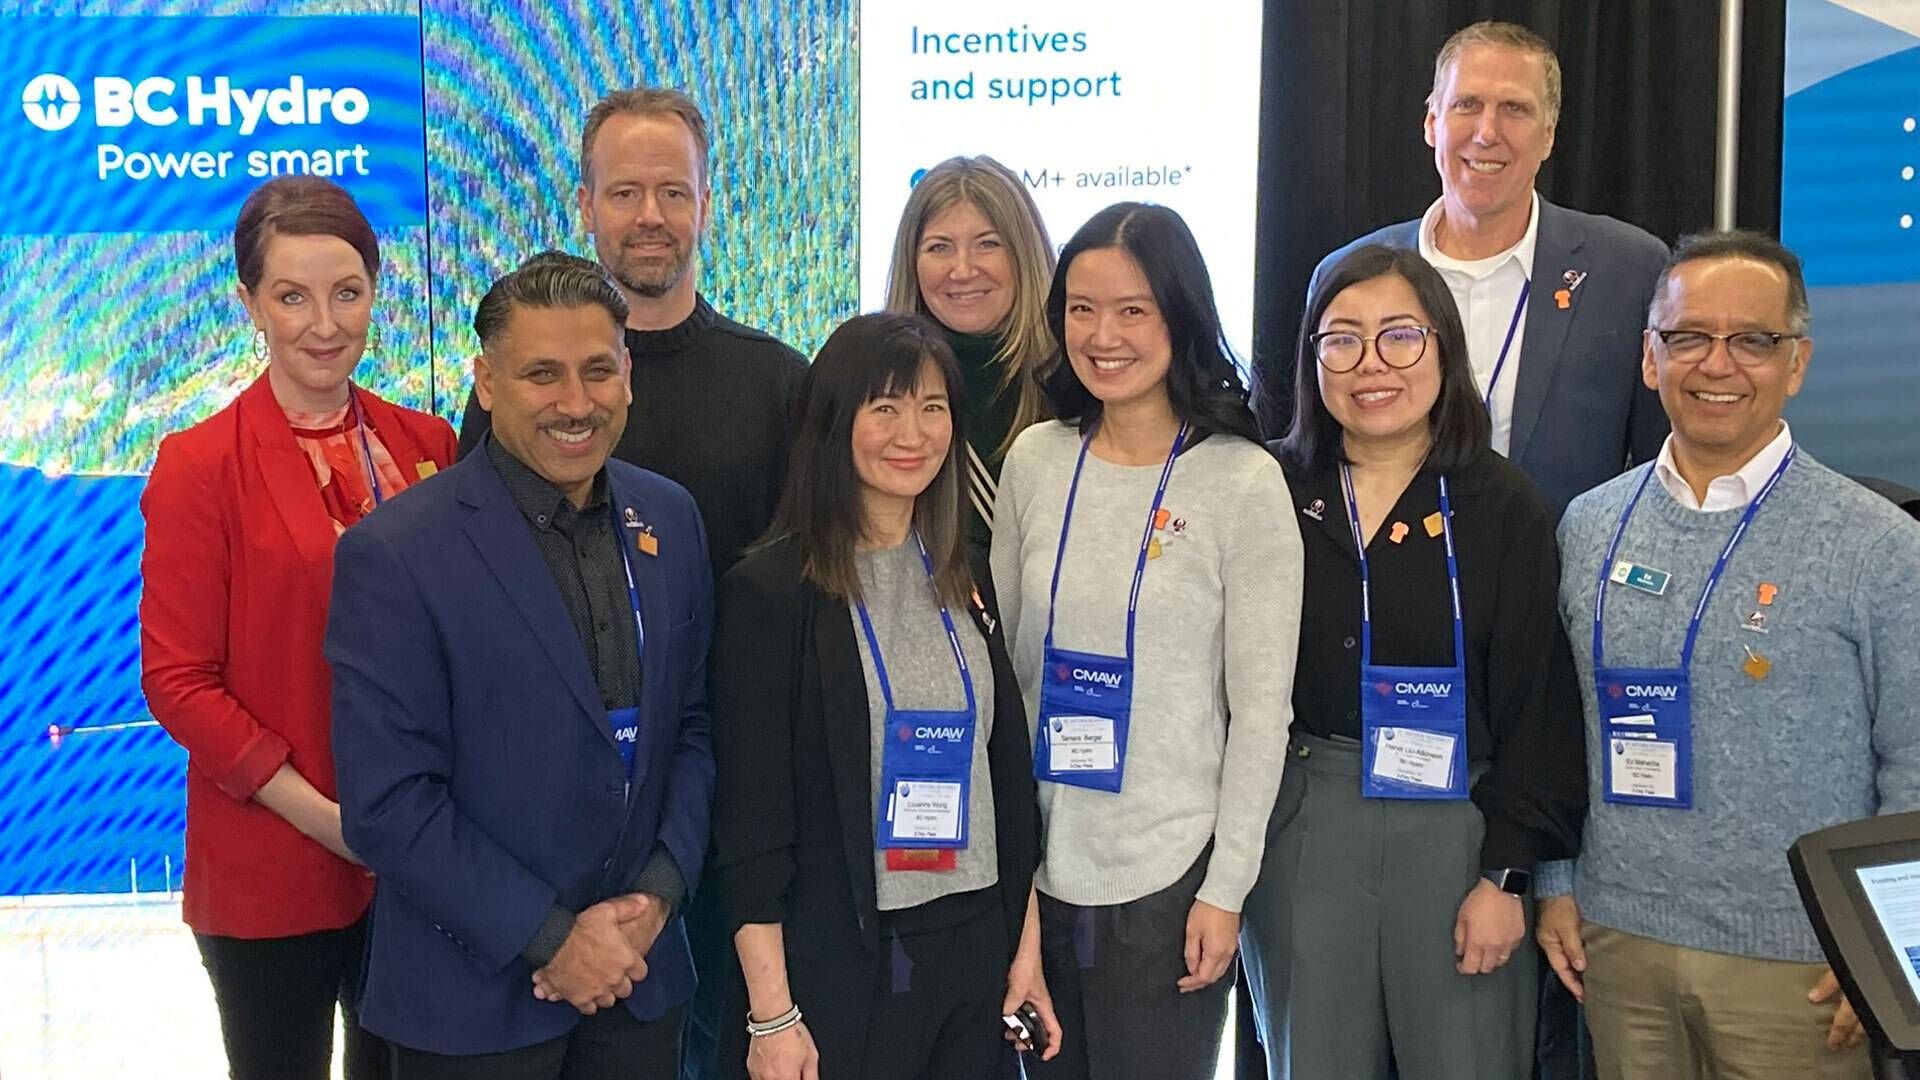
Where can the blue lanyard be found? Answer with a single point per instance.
(953, 639)
(366, 449)
(633, 591)
(1146, 537)
(1713, 579)
(1519, 309)
(1366, 582)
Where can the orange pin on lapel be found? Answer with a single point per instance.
(1434, 525)
(1563, 298)
(648, 543)
(426, 469)
(1161, 517)
(1153, 548)
(1757, 666)
(1399, 532)
(1768, 590)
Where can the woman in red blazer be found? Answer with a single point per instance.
(242, 511)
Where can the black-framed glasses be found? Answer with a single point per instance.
(1340, 351)
(1749, 348)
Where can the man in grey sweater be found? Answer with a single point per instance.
(1746, 623)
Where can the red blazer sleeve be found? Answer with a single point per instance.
(439, 442)
(183, 624)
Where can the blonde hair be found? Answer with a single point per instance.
(1026, 345)
(1504, 35)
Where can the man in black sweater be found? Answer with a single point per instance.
(711, 398)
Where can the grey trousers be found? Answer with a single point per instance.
(1347, 937)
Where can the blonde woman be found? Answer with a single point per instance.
(972, 254)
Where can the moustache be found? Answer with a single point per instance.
(598, 420)
(642, 236)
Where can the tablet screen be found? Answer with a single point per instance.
(1893, 889)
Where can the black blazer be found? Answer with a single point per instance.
(793, 823)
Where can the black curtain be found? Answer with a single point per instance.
(1344, 91)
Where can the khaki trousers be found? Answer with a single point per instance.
(1664, 1012)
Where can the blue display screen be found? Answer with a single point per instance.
(457, 128)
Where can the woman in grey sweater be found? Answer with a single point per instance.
(1149, 574)
(875, 824)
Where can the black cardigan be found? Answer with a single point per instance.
(1524, 718)
(793, 820)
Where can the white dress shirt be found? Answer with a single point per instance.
(1487, 291)
(1732, 492)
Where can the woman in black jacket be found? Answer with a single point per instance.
(1436, 754)
(876, 828)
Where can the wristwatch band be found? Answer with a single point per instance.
(1510, 881)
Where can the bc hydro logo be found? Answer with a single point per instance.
(50, 101)
(174, 127)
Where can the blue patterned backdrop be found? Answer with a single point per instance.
(1850, 205)
(109, 341)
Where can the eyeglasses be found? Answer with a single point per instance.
(1340, 351)
(1749, 348)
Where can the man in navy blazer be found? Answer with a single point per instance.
(1553, 300)
(520, 718)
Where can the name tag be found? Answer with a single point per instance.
(926, 810)
(1411, 756)
(1081, 744)
(1644, 578)
(1644, 768)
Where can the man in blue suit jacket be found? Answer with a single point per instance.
(520, 718)
(1553, 300)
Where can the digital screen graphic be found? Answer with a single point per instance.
(1091, 103)
(1850, 206)
(457, 128)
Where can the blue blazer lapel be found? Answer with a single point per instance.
(501, 534)
(637, 518)
(1556, 250)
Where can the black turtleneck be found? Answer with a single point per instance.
(712, 405)
(989, 416)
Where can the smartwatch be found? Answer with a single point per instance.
(1512, 882)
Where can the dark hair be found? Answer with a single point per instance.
(869, 356)
(644, 101)
(1737, 244)
(551, 279)
(1203, 385)
(299, 206)
(1458, 421)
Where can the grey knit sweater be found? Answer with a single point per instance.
(919, 658)
(1217, 636)
(1831, 734)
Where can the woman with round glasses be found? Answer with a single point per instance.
(1436, 751)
